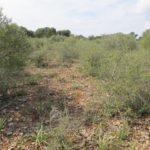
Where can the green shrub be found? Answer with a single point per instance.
(118, 41)
(14, 49)
(45, 32)
(41, 59)
(145, 40)
(67, 50)
(57, 38)
(126, 77)
(40, 137)
(39, 55)
(103, 64)
(66, 33)
(69, 55)
(103, 143)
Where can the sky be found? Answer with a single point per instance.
(86, 17)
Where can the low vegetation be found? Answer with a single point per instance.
(78, 92)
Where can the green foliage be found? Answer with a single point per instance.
(103, 143)
(126, 77)
(119, 63)
(29, 33)
(64, 33)
(57, 47)
(115, 60)
(3, 19)
(145, 40)
(69, 55)
(41, 52)
(40, 137)
(14, 49)
(118, 41)
(134, 34)
(45, 32)
(57, 38)
(41, 59)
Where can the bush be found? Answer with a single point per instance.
(29, 33)
(57, 38)
(64, 33)
(125, 76)
(118, 41)
(14, 49)
(67, 50)
(41, 58)
(45, 32)
(145, 40)
(69, 55)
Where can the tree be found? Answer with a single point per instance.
(3, 19)
(29, 33)
(91, 37)
(45, 32)
(64, 32)
(134, 34)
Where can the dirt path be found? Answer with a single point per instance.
(59, 86)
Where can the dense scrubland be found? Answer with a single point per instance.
(60, 91)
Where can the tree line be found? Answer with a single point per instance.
(45, 32)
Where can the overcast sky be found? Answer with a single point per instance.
(87, 17)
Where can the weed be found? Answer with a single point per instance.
(40, 137)
(103, 143)
(124, 131)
